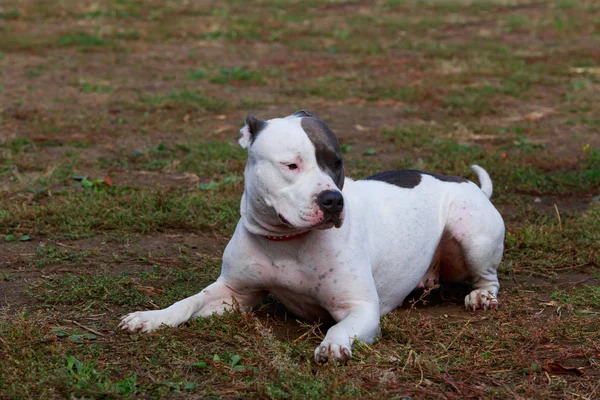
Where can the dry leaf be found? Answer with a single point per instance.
(597, 350)
(149, 290)
(108, 180)
(556, 368)
(534, 116)
(188, 176)
(590, 70)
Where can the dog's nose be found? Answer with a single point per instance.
(331, 201)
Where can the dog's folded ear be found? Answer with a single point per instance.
(249, 132)
(304, 113)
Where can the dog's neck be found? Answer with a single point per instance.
(262, 228)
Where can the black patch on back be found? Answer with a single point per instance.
(327, 147)
(447, 178)
(405, 178)
(255, 125)
(410, 178)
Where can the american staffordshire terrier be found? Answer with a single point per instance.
(396, 231)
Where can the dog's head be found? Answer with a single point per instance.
(295, 173)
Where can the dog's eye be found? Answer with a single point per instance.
(292, 166)
(338, 163)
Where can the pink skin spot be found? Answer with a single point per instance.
(317, 216)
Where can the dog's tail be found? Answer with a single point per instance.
(484, 180)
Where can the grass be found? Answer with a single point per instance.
(133, 290)
(186, 99)
(121, 179)
(83, 40)
(87, 87)
(78, 215)
(233, 75)
(36, 72)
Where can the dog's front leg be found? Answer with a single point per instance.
(361, 322)
(214, 299)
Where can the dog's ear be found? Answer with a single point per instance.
(249, 132)
(303, 113)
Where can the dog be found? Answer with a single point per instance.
(395, 232)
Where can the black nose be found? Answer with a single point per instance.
(331, 201)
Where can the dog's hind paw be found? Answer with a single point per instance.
(332, 352)
(481, 298)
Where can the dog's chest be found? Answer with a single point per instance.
(296, 276)
(303, 288)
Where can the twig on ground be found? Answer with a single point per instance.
(558, 216)
(312, 330)
(85, 327)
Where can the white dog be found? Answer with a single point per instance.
(396, 231)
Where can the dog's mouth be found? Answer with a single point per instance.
(283, 220)
(337, 220)
(327, 223)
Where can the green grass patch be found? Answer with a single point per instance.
(10, 14)
(332, 88)
(131, 34)
(587, 296)
(196, 75)
(547, 245)
(527, 170)
(404, 94)
(233, 75)
(130, 13)
(87, 87)
(36, 72)
(186, 99)
(238, 28)
(50, 255)
(84, 40)
(237, 74)
(162, 286)
(207, 158)
(18, 145)
(411, 137)
(84, 214)
(515, 22)
(477, 100)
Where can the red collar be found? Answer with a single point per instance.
(285, 238)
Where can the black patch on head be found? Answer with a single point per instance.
(255, 125)
(410, 178)
(304, 113)
(327, 147)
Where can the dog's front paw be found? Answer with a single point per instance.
(481, 298)
(145, 321)
(332, 351)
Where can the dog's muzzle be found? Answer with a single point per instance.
(331, 202)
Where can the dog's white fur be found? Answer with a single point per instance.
(392, 241)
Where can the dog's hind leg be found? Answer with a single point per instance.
(482, 252)
(482, 262)
(478, 229)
